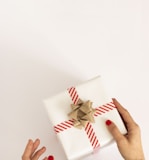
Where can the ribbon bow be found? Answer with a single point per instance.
(82, 113)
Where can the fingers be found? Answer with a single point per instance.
(125, 114)
(38, 153)
(35, 145)
(28, 150)
(114, 131)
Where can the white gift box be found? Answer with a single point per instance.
(81, 142)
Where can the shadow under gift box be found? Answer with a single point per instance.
(76, 142)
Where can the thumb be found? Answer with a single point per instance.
(114, 131)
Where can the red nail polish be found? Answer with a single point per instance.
(108, 122)
(50, 158)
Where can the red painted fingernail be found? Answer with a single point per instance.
(108, 122)
(50, 158)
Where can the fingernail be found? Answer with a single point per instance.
(50, 158)
(108, 122)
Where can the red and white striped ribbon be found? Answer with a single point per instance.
(104, 108)
(89, 129)
(92, 136)
(73, 94)
(63, 126)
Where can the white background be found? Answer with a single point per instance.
(48, 45)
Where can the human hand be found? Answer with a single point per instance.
(129, 145)
(31, 152)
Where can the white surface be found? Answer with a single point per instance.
(46, 46)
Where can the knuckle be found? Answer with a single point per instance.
(127, 112)
(136, 128)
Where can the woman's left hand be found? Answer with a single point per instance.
(31, 152)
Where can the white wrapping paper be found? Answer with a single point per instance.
(75, 142)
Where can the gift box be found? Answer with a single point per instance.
(79, 131)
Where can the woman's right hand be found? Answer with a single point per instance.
(129, 145)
